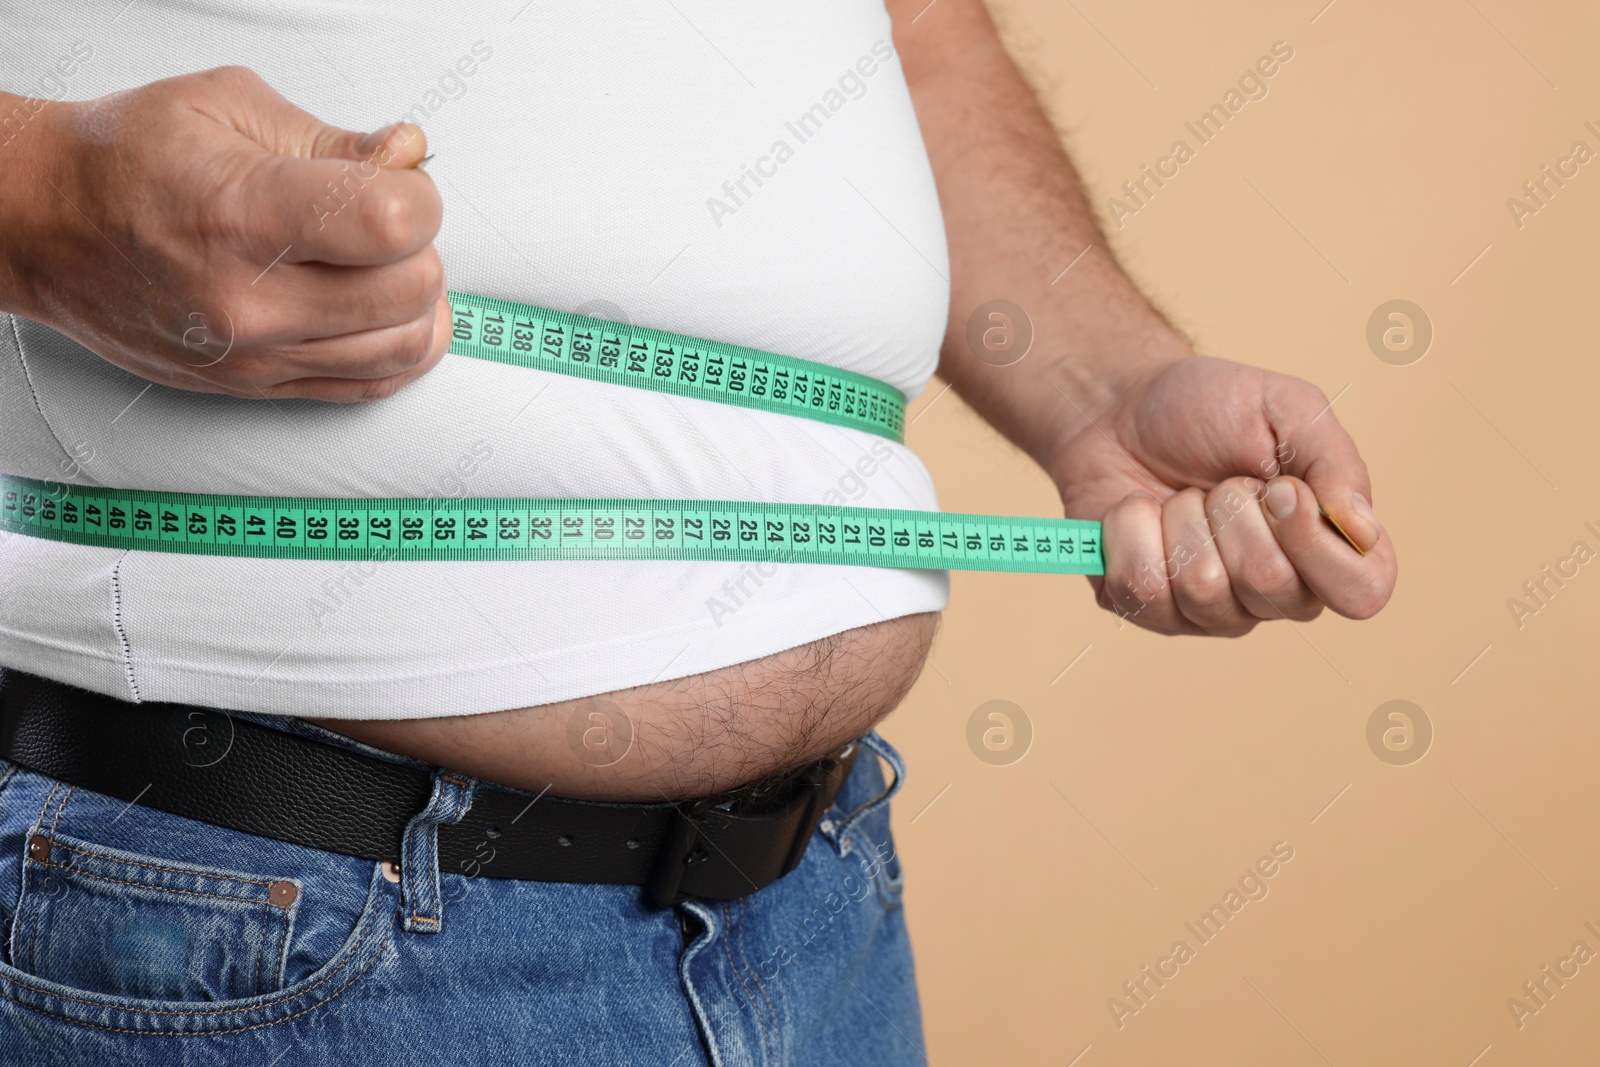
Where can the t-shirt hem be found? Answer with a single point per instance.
(479, 687)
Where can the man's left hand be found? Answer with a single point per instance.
(1209, 476)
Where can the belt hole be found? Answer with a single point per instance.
(491, 832)
(564, 840)
(632, 842)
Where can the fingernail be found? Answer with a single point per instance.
(1281, 499)
(1358, 501)
(374, 140)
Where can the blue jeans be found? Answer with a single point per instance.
(135, 936)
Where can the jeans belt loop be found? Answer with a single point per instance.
(421, 904)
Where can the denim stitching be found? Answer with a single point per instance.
(39, 905)
(464, 799)
(261, 947)
(707, 917)
(143, 885)
(283, 950)
(341, 964)
(204, 1033)
(16, 945)
(727, 948)
(409, 878)
(428, 842)
(154, 867)
(38, 822)
(411, 889)
(32, 901)
(426, 903)
(776, 1048)
(879, 747)
(57, 820)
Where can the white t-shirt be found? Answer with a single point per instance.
(747, 173)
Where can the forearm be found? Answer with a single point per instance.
(1016, 218)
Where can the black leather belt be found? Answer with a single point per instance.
(297, 789)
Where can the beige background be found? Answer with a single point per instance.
(1161, 768)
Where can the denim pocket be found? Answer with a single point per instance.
(132, 920)
(128, 925)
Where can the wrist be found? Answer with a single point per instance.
(31, 212)
(1101, 378)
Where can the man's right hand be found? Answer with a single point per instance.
(204, 233)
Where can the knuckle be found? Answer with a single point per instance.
(379, 388)
(234, 77)
(433, 280)
(1188, 500)
(1366, 596)
(1229, 498)
(423, 283)
(1137, 506)
(1218, 617)
(1204, 583)
(1271, 578)
(1305, 611)
(1138, 580)
(390, 219)
(1116, 594)
(1309, 393)
(245, 323)
(413, 344)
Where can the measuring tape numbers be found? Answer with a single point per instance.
(603, 351)
(316, 528)
(534, 529)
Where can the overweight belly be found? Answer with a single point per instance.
(686, 738)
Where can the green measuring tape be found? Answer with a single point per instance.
(307, 528)
(539, 529)
(603, 351)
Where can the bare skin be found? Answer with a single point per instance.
(690, 738)
(1209, 475)
(233, 283)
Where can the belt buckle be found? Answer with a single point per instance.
(677, 853)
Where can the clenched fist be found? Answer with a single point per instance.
(204, 233)
(1212, 479)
